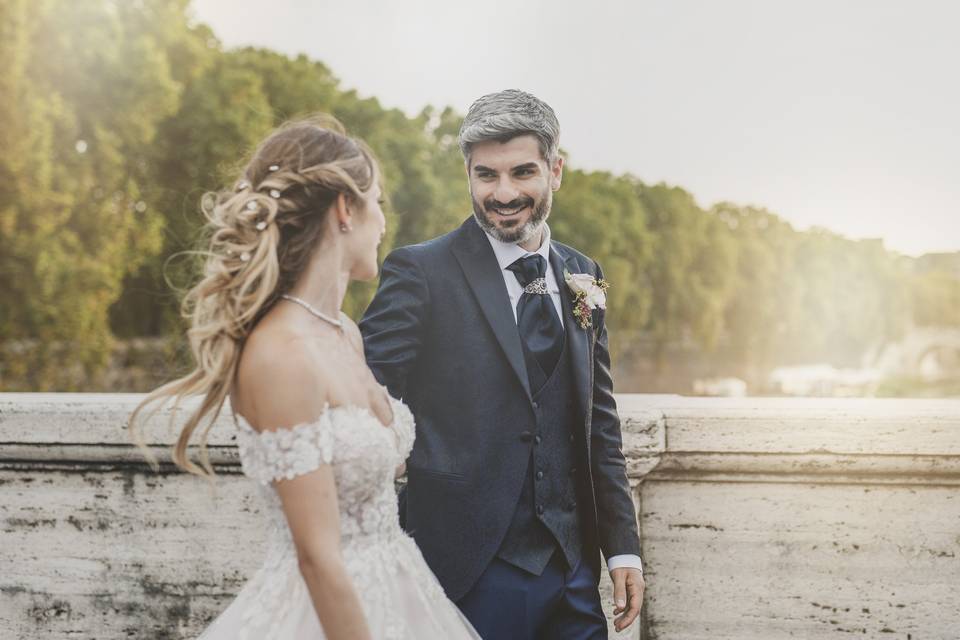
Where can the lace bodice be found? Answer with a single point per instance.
(401, 598)
(363, 452)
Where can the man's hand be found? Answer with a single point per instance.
(628, 586)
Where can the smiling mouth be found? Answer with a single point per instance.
(507, 212)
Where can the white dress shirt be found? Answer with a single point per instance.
(507, 254)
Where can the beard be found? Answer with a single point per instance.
(517, 233)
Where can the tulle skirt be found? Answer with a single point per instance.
(401, 597)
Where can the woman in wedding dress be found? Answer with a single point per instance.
(319, 436)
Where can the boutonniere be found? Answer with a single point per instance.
(588, 294)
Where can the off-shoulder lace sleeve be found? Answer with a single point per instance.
(284, 454)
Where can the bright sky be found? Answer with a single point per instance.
(840, 114)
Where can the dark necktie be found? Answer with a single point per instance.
(540, 329)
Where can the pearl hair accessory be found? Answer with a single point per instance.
(274, 193)
(261, 225)
(252, 206)
(273, 167)
(243, 185)
(245, 256)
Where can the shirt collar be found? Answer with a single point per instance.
(507, 253)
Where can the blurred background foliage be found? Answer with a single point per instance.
(115, 117)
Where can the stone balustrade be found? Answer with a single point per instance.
(760, 518)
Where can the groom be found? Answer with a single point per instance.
(517, 479)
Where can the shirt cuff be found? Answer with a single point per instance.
(626, 560)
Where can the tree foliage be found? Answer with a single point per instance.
(116, 117)
(692, 269)
(86, 86)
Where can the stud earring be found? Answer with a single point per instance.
(345, 227)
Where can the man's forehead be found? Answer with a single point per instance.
(514, 152)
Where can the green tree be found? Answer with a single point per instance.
(226, 110)
(764, 301)
(88, 85)
(691, 272)
(853, 297)
(601, 215)
(223, 114)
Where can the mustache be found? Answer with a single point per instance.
(516, 203)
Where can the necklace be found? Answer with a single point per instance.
(313, 311)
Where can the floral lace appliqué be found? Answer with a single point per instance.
(384, 563)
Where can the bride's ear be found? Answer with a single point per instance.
(340, 209)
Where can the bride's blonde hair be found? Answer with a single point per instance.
(260, 237)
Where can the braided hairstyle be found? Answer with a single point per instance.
(261, 235)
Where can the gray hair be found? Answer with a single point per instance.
(505, 115)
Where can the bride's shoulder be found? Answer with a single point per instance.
(352, 331)
(281, 382)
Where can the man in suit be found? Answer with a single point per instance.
(517, 479)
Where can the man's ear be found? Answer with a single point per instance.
(556, 173)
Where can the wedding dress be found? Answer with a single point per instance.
(400, 596)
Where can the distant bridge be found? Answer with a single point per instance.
(925, 352)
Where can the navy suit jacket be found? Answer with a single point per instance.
(441, 335)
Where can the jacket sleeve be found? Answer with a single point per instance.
(393, 325)
(616, 513)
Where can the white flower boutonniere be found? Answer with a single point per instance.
(588, 294)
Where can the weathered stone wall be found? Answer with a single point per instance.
(767, 519)
(93, 544)
(760, 519)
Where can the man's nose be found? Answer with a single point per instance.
(505, 191)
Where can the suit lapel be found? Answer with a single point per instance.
(577, 339)
(475, 255)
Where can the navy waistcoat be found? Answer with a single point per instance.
(546, 515)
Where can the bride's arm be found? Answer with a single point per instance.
(284, 388)
(310, 504)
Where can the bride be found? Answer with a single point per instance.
(315, 431)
